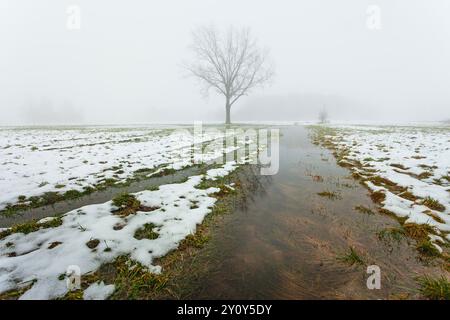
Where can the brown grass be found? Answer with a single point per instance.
(378, 196)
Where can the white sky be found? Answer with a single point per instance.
(123, 65)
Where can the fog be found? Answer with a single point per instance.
(124, 63)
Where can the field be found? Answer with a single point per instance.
(119, 246)
(45, 166)
(406, 168)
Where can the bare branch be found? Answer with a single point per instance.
(231, 64)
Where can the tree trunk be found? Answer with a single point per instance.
(227, 108)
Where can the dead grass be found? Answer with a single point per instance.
(408, 196)
(378, 196)
(364, 210)
(332, 195)
(418, 231)
(433, 204)
(399, 166)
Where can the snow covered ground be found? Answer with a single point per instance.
(416, 159)
(38, 161)
(93, 235)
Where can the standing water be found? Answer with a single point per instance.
(286, 242)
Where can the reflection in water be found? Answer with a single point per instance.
(283, 243)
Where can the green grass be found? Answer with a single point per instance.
(126, 203)
(351, 257)
(434, 288)
(16, 293)
(124, 200)
(197, 240)
(134, 281)
(396, 234)
(427, 248)
(72, 194)
(146, 232)
(31, 226)
(143, 170)
(106, 183)
(50, 198)
(131, 280)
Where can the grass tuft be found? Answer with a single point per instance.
(427, 248)
(332, 195)
(127, 204)
(434, 288)
(396, 234)
(433, 204)
(146, 232)
(418, 231)
(31, 226)
(351, 258)
(197, 240)
(364, 210)
(133, 281)
(378, 196)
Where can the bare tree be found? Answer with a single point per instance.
(323, 115)
(231, 64)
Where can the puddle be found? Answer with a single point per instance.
(284, 243)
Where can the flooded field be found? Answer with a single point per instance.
(286, 241)
(221, 231)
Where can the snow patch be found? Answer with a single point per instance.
(44, 255)
(98, 291)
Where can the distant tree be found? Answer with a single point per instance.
(230, 63)
(323, 116)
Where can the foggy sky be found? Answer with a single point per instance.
(124, 64)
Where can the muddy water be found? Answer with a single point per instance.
(284, 243)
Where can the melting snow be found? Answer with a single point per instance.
(416, 158)
(35, 258)
(98, 291)
(36, 161)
